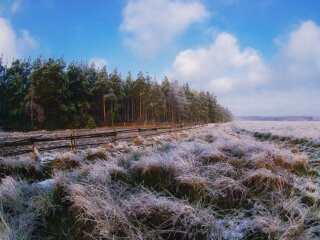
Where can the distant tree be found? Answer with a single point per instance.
(33, 109)
(129, 99)
(3, 98)
(146, 99)
(138, 90)
(157, 103)
(15, 87)
(166, 89)
(51, 85)
(91, 123)
(78, 95)
(48, 93)
(115, 95)
(100, 89)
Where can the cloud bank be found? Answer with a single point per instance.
(297, 62)
(222, 66)
(150, 26)
(247, 83)
(99, 63)
(15, 6)
(13, 44)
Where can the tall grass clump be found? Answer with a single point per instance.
(20, 167)
(169, 218)
(262, 180)
(23, 208)
(155, 171)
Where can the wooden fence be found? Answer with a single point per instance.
(78, 139)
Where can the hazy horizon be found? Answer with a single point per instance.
(259, 58)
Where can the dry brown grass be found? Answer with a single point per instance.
(169, 218)
(97, 154)
(23, 208)
(138, 141)
(19, 167)
(209, 138)
(140, 216)
(263, 160)
(100, 172)
(310, 199)
(95, 207)
(221, 169)
(295, 150)
(152, 173)
(11, 194)
(270, 160)
(309, 193)
(262, 180)
(285, 220)
(191, 186)
(228, 193)
(64, 161)
(311, 187)
(155, 141)
(213, 158)
(289, 162)
(195, 188)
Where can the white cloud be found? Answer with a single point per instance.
(9, 7)
(221, 67)
(298, 59)
(8, 40)
(152, 25)
(13, 45)
(15, 6)
(27, 39)
(223, 85)
(288, 84)
(99, 63)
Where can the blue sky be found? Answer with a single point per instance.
(258, 57)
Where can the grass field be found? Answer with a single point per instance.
(298, 129)
(241, 180)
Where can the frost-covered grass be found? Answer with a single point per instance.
(297, 129)
(207, 183)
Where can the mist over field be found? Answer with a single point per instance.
(167, 119)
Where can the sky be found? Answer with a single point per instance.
(259, 57)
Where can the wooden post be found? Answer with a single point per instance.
(114, 139)
(35, 152)
(72, 141)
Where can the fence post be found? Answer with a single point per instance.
(35, 152)
(72, 141)
(114, 139)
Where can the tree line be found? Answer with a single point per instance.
(50, 94)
